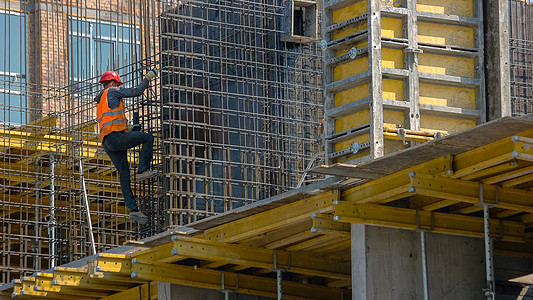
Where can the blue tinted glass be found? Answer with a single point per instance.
(124, 33)
(105, 51)
(104, 30)
(105, 57)
(11, 111)
(80, 67)
(14, 36)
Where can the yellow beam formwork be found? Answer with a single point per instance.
(260, 258)
(246, 284)
(326, 225)
(417, 219)
(138, 293)
(272, 219)
(469, 192)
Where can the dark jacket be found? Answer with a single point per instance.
(116, 93)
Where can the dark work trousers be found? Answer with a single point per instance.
(116, 145)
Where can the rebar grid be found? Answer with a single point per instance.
(521, 57)
(48, 79)
(241, 117)
(241, 108)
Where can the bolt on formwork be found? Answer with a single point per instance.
(521, 56)
(241, 106)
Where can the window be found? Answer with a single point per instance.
(13, 68)
(99, 46)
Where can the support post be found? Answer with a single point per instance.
(424, 264)
(489, 265)
(279, 274)
(223, 288)
(279, 284)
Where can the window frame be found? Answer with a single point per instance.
(94, 39)
(22, 78)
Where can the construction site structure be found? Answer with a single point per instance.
(235, 111)
(406, 89)
(241, 106)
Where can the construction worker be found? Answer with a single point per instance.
(117, 139)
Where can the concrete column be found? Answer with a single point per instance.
(387, 264)
(497, 64)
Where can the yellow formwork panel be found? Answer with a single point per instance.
(352, 121)
(392, 58)
(349, 12)
(446, 125)
(446, 65)
(393, 89)
(391, 27)
(447, 96)
(441, 34)
(351, 95)
(449, 7)
(350, 31)
(351, 68)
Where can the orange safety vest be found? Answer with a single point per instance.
(110, 120)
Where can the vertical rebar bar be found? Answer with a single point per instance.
(52, 220)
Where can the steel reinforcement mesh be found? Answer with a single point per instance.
(241, 109)
(48, 78)
(521, 57)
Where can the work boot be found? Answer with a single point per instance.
(138, 217)
(145, 175)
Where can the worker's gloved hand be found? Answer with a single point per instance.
(151, 74)
(134, 127)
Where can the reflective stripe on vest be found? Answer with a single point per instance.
(109, 123)
(110, 120)
(109, 114)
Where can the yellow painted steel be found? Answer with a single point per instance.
(351, 68)
(447, 96)
(449, 7)
(351, 95)
(442, 34)
(469, 192)
(349, 12)
(391, 27)
(247, 284)
(261, 258)
(436, 222)
(326, 225)
(274, 218)
(446, 65)
(134, 293)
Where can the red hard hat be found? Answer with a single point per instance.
(110, 75)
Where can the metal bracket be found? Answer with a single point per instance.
(401, 133)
